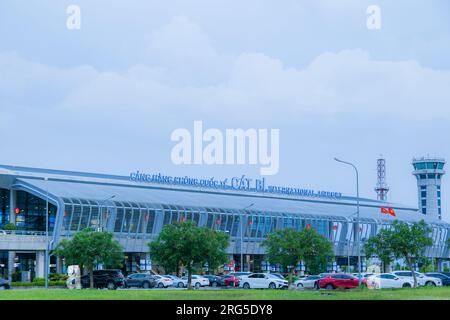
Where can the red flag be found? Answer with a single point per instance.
(250, 222)
(388, 211)
(334, 227)
(308, 226)
(218, 221)
(392, 212)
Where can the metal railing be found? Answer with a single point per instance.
(23, 232)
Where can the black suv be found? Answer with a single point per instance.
(214, 281)
(109, 278)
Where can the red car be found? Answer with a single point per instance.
(229, 280)
(338, 280)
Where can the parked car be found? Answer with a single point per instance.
(445, 273)
(364, 276)
(309, 282)
(141, 280)
(108, 278)
(4, 284)
(444, 278)
(177, 281)
(240, 274)
(163, 281)
(262, 280)
(196, 281)
(338, 280)
(229, 280)
(422, 279)
(279, 275)
(388, 281)
(214, 281)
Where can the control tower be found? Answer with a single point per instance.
(429, 172)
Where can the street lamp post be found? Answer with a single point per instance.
(100, 214)
(348, 241)
(47, 257)
(357, 217)
(242, 236)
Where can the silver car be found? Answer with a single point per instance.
(307, 282)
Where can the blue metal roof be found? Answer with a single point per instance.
(98, 187)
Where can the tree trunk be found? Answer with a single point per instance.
(189, 268)
(91, 278)
(409, 262)
(290, 277)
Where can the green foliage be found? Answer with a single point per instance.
(88, 248)
(403, 240)
(284, 247)
(288, 247)
(379, 245)
(58, 277)
(317, 250)
(9, 226)
(185, 244)
(38, 283)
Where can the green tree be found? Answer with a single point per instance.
(188, 245)
(288, 247)
(88, 248)
(284, 247)
(380, 246)
(409, 241)
(317, 250)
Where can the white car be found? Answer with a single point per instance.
(163, 282)
(388, 281)
(262, 280)
(422, 280)
(307, 282)
(196, 281)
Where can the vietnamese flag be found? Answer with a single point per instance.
(388, 211)
(392, 212)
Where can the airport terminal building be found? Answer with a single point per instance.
(136, 207)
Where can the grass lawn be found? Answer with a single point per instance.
(432, 293)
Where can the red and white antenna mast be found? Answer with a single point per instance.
(381, 188)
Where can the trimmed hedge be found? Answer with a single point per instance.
(38, 283)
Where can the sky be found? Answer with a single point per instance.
(106, 97)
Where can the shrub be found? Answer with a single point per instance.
(58, 277)
(9, 226)
(39, 283)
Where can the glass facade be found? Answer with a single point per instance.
(4, 207)
(30, 212)
(429, 165)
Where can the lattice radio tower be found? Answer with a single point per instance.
(381, 188)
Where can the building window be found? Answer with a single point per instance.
(423, 187)
(432, 176)
(423, 176)
(424, 203)
(424, 210)
(423, 194)
(4, 207)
